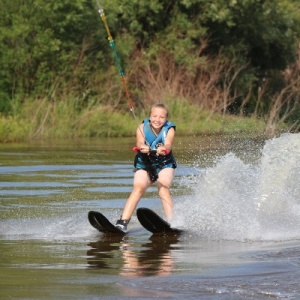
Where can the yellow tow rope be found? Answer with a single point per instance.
(112, 45)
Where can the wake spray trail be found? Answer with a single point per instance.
(237, 201)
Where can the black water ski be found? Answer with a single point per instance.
(153, 222)
(100, 222)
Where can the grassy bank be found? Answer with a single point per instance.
(41, 119)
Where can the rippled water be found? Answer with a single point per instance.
(237, 200)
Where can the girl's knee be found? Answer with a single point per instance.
(163, 190)
(139, 189)
(163, 185)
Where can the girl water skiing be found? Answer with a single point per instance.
(153, 163)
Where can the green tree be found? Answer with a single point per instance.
(265, 32)
(43, 43)
(62, 46)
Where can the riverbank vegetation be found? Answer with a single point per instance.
(221, 66)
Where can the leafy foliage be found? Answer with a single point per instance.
(51, 50)
(42, 41)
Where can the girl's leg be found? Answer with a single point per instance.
(164, 181)
(140, 183)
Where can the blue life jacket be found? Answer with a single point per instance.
(151, 162)
(153, 140)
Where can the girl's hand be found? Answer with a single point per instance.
(145, 149)
(161, 150)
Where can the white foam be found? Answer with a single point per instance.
(237, 201)
(72, 227)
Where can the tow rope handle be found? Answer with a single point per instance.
(112, 45)
(136, 149)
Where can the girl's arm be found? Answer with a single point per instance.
(140, 139)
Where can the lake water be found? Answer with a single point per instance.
(238, 200)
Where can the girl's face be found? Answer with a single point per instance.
(158, 117)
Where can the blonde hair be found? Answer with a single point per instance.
(160, 105)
